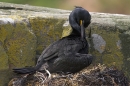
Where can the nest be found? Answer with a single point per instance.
(91, 76)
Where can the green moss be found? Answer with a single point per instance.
(125, 38)
(46, 30)
(5, 32)
(3, 59)
(66, 31)
(112, 54)
(21, 46)
(4, 77)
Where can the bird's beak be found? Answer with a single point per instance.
(82, 30)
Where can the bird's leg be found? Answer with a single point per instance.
(25, 75)
(49, 74)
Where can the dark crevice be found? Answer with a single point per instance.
(11, 8)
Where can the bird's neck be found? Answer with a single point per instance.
(76, 34)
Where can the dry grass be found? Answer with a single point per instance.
(92, 76)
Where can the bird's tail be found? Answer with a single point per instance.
(28, 70)
(25, 70)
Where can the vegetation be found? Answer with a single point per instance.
(109, 6)
(98, 75)
(45, 3)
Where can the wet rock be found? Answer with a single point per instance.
(99, 43)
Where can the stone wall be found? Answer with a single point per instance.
(26, 30)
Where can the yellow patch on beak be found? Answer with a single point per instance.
(66, 31)
(81, 22)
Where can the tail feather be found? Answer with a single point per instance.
(25, 70)
(30, 70)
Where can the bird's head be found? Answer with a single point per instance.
(79, 19)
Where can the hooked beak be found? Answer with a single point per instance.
(82, 30)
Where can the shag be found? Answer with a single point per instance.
(68, 54)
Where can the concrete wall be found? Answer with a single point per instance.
(26, 30)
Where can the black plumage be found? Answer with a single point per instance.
(69, 54)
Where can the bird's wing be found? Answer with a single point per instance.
(50, 52)
(61, 47)
(74, 46)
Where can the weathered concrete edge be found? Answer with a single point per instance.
(26, 7)
(45, 10)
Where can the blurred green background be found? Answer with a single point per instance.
(106, 6)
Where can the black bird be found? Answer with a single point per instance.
(69, 54)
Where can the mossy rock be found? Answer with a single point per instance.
(47, 30)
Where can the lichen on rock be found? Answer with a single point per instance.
(47, 30)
